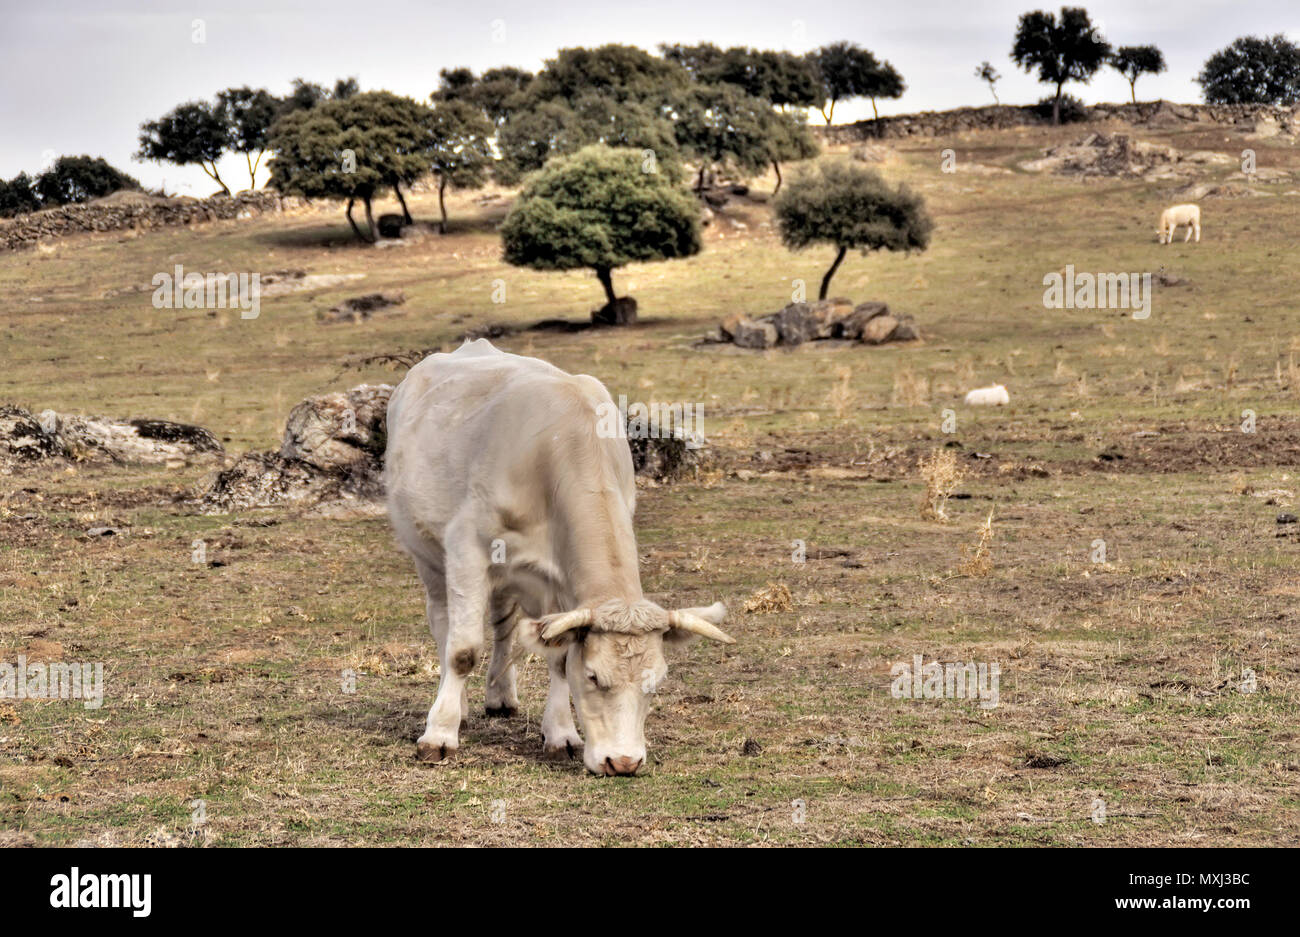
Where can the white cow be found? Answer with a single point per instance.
(1171, 218)
(995, 396)
(519, 514)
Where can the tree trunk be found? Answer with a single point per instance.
(607, 281)
(370, 220)
(777, 166)
(826, 280)
(252, 168)
(1133, 90)
(1056, 107)
(355, 229)
(213, 173)
(442, 204)
(406, 213)
(996, 102)
(875, 112)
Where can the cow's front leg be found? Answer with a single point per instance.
(457, 626)
(560, 736)
(502, 697)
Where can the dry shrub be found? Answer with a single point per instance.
(941, 473)
(773, 597)
(910, 389)
(979, 562)
(840, 397)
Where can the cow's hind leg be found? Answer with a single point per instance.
(456, 616)
(502, 698)
(560, 736)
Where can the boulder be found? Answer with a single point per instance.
(878, 329)
(621, 311)
(800, 322)
(390, 226)
(24, 437)
(339, 432)
(906, 330)
(853, 324)
(754, 334)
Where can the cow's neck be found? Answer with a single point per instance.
(595, 544)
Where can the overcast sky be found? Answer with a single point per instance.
(81, 75)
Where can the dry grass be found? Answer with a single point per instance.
(979, 562)
(1121, 681)
(941, 474)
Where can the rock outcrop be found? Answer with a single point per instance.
(870, 323)
(26, 438)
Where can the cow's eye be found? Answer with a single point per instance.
(591, 679)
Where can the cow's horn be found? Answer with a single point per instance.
(685, 621)
(566, 621)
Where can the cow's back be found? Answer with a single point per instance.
(482, 430)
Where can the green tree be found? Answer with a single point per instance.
(557, 127)
(496, 92)
(249, 114)
(600, 208)
(614, 94)
(846, 70)
(195, 133)
(1068, 49)
(460, 151)
(721, 125)
(352, 148)
(850, 207)
(987, 73)
(1135, 61)
(80, 178)
(788, 138)
(18, 196)
(1253, 71)
(781, 78)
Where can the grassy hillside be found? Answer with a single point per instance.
(1119, 680)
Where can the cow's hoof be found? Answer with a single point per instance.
(503, 711)
(565, 751)
(434, 752)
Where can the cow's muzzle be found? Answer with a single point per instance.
(622, 766)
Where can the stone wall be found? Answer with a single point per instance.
(133, 210)
(1157, 115)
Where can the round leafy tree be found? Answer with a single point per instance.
(1253, 71)
(353, 148)
(601, 208)
(850, 206)
(1135, 61)
(1068, 49)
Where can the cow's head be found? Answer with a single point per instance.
(614, 660)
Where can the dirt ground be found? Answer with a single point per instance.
(1136, 585)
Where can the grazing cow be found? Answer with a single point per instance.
(518, 513)
(995, 396)
(1171, 218)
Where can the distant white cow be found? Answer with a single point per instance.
(518, 513)
(1171, 218)
(995, 396)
